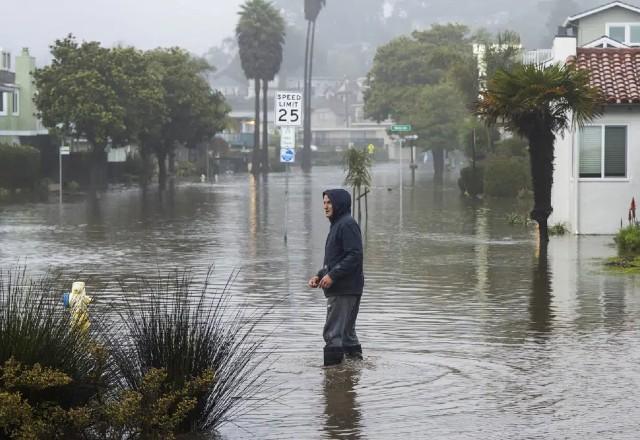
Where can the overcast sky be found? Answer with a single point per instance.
(195, 25)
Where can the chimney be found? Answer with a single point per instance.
(563, 48)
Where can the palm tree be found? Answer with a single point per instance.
(357, 164)
(273, 42)
(312, 9)
(538, 103)
(249, 32)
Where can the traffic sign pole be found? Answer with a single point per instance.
(62, 151)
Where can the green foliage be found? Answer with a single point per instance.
(529, 99)
(512, 147)
(190, 334)
(19, 166)
(178, 362)
(260, 33)
(186, 168)
(34, 329)
(152, 412)
(406, 64)
(628, 240)
(357, 164)
(514, 218)
(558, 229)
(471, 181)
(505, 177)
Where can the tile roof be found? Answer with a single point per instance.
(616, 72)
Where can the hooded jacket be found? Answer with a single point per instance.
(343, 254)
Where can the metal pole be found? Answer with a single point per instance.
(60, 176)
(401, 180)
(286, 201)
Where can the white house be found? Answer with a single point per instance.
(597, 167)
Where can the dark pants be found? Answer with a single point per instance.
(340, 329)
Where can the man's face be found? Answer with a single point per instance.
(328, 207)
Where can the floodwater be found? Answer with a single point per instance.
(466, 333)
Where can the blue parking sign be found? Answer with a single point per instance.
(287, 155)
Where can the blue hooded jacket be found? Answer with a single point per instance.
(343, 255)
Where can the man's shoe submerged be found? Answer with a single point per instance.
(354, 352)
(333, 356)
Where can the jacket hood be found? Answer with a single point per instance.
(341, 202)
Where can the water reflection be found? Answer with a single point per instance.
(342, 411)
(540, 312)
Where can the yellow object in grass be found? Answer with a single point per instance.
(79, 304)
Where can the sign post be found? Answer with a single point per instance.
(63, 151)
(288, 114)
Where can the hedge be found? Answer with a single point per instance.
(19, 166)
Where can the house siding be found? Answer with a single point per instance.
(595, 26)
(596, 206)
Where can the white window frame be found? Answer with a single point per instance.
(602, 177)
(627, 31)
(5, 103)
(15, 103)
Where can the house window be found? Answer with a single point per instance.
(3, 103)
(15, 104)
(603, 151)
(628, 33)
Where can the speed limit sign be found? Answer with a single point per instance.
(288, 108)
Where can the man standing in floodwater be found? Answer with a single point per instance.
(341, 278)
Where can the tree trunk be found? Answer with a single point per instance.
(308, 69)
(255, 156)
(265, 124)
(162, 170)
(172, 164)
(145, 176)
(98, 178)
(438, 164)
(541, 157)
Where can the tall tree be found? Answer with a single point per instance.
(85, 93)
(537, 103)
(273, 43)
(312, 9)
(407, 68)
(192, 112)
(250, 32)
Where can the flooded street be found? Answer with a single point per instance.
(466, 334)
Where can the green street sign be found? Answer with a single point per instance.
(404, 127)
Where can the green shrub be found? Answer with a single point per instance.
(189, 332)
(19, 166)
(512, 147)
(558, 229)
(35, 328)
(628, 240)
(506, 176)
(186, 168)
(471, 181)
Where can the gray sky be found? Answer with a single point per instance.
(195, 25)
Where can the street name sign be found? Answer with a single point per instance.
(288, 137)
(288, 109)
(401, 127)
(287, 155)
(64, 150)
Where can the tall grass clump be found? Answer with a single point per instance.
(628, 240)
(35, 329)
(193, 334)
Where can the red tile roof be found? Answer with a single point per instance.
(616, 72)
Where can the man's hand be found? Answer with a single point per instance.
(325, 282)
(313, 282)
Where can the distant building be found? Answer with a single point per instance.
(17, 109)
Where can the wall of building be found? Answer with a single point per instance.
(595, 26)
(596, 206)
